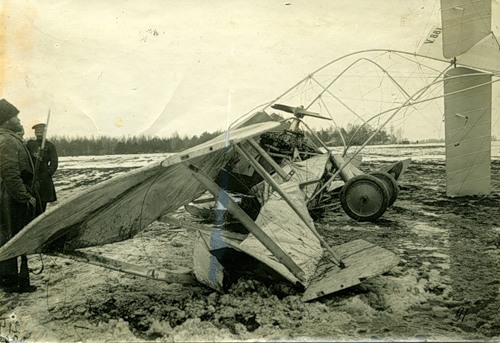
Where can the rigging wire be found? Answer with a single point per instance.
(387, 73)
(32, 271)
(392, 115)
(417, 96)
(334, 122)
(380, 51)
(407, 79)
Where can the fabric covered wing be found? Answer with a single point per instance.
(118, 208)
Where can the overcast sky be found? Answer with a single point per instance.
(129, 67)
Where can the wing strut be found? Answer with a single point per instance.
(181, 277)
(248, 223)
(335, 259)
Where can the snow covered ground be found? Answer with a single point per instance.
(447, 286)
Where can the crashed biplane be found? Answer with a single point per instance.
(268, 172)
(263, 173)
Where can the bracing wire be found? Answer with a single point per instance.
(421, 92)
(407, 103)
(401, 54)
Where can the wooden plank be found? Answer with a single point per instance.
(364, 260)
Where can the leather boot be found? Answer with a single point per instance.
(24, 277)
(8, 275)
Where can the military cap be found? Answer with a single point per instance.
(7, 111)
(38, 126)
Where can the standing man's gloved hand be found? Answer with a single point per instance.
(32, 202)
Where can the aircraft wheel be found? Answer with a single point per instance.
(364, 198)
(391, 184)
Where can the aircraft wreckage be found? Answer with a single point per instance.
(267, 175)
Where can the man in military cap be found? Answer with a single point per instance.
(17, 204)
(46, 164)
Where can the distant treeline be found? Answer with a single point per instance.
(103, 145)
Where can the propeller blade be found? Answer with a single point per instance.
(312, 114)
(297, 111)
(284, 108)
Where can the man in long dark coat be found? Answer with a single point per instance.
(47, 165)
(17, 205)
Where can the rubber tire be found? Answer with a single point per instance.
(390, 183)
(351, 195)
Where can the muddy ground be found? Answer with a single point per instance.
(445, 288)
